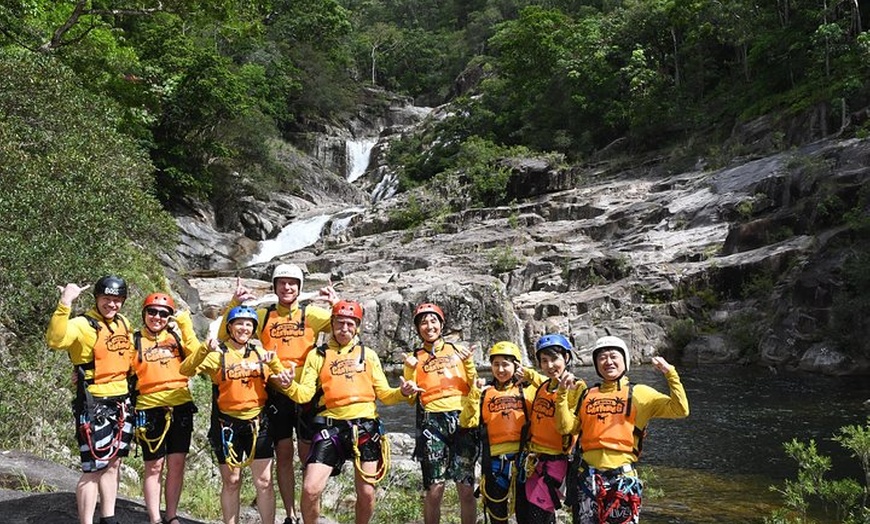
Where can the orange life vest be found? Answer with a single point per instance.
(503, 413)
(158, 366)
(346, 378)
(242, 380)
(441, 374)
(543, 422)
(607, 420)
(112, 350)
(288, 336)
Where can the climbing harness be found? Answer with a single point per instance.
(142, 426)
(87, 419)
(227, 437)
(384, 463)
(617, 495)
(488, 500)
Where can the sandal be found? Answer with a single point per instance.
(293, 520)
(169, 520)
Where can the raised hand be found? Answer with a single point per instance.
(214, 344)
(242, 294)
(328, 293)
(285, 377)
(662, 365)
(568, 381)
(410, 360)
(409, 387)
(465, 353)
(70, 292)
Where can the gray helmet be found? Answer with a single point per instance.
(111, 285)
(611, 342)
(288, 271)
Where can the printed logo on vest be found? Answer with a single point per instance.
(118, 344)
(346, 368)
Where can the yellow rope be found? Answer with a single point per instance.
(381, 473)
(142, 432)
(232, 458)
(486, 498)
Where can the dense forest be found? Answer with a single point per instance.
(114, 111)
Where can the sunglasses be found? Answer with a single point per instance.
(154, 312)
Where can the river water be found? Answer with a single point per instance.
(717, 465)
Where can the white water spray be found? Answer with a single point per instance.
(295, 236)
(358, 153)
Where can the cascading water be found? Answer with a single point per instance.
(295, 236)
(357, 154)
(302, 233)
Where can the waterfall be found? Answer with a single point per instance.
(357, 155)
(295, 236)
(300, 234)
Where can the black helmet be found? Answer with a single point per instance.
(111, 285)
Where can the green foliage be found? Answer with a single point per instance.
(503, 260)
(743, 330)
(759, 286)
(850, 312)
(812, 490)
(681, 332)
(76, 205)
(75, 200)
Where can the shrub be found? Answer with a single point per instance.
(76, 204)
(811, 488)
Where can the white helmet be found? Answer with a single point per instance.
(611, 342)
(288, 271)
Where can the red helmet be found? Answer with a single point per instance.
(159, 299)
(348, 308)
(427, 307)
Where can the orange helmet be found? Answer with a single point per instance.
(159, 299)
(427, 307)
(348, 308)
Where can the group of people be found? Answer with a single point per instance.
(542, 439)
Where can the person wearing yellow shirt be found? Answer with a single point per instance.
(345, 378)
(164, 405)
(548, 449)
(239, 369)
(290, 329)
(611, 419)
(444, 372)
(100, 347)
(500, 409)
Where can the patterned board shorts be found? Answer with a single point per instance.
(604, 497)
(448, 452)
(105, 434)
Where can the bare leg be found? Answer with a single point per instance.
(108, 483)
(432, 503)
(467, 503)
(313, 484)
(151, 488)
(87, 491)
(174, 482)
(231, 484)
(286, 474)
(261, 471)
(365, 493)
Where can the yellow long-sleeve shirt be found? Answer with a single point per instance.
(315, 316)
(470, 415)
(77, 337)
(451, 403)
(649, 404)
(189, 344)
(203, 360)
(307, 383)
